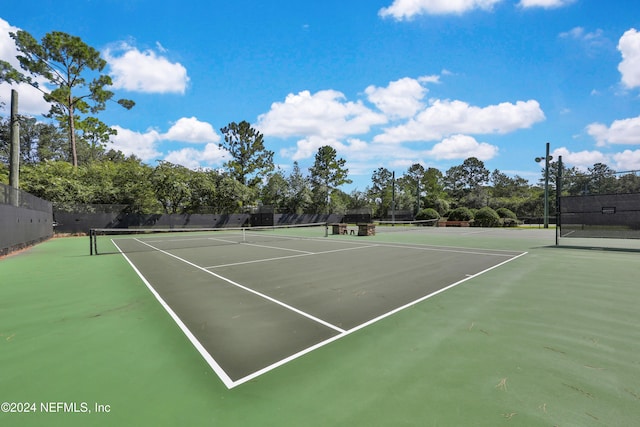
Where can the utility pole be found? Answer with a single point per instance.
(393, 198)
(547, 158)
(417, 196)
(558, 201)
(14, 161)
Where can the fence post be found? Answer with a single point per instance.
(14, 160)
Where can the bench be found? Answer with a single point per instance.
(339, 228)
(366, 229)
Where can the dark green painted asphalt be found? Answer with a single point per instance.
(551, 338)
(306, 291)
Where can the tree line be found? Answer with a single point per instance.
(249, 179)
(66, 161)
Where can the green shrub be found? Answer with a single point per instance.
(486, 217)
(460, 214)
(506, 213)
(441, 205)
(428, 213)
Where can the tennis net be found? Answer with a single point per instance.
(117, 240)
(386, 226)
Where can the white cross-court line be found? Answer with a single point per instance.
(267, 297)
(288, 256)
(279, 248)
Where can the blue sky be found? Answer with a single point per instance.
(388, 83)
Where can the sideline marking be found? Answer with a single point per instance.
(267, 297)
(364, 325)
(228, 382)
(196, 343)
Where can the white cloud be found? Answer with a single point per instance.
(407, 9)
(629, 46)
(591, 41)
(307, 148)
(142, 145)
(579, 33)
(462, 147)
(443, 118)
(625, 131)
(401, 98)
(627, 160)
(581, 159)
(146, 72)
(211, 155)
(191, 130)
(30, 100)
(325, 114)
(546, 4)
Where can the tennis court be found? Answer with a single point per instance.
(545, 338)
(251, 300)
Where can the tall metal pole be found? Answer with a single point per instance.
(393, 197)
(14, 180)
(546, 188)
(14, 160)
(417, 196)
(558, 205)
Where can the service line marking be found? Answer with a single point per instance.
(245, 288)
(288, 256)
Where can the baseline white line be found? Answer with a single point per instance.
(421, 246)
(278, 248)
(426, 297)
(267, 297)
(289, 256)
(235, 242)
(228, 382)
(441, 249)
(364, 325)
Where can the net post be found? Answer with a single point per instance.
(91, 241)
(326, 229)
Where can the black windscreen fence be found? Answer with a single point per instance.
(24, 219)
(609, 216)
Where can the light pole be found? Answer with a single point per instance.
(393, 198)
(546, 159)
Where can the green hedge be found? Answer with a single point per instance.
(486, 217)
(460, 214)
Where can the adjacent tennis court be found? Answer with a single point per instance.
(252, 299)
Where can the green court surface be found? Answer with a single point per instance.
(549, 337)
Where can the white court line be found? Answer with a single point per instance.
(288, 256)
(235, 242)
(196, 343)
(278, 248)
(452, 250)
(364, 325)
(267, 297)
(427, 247)
(229, 383)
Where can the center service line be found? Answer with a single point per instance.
(268, 298)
